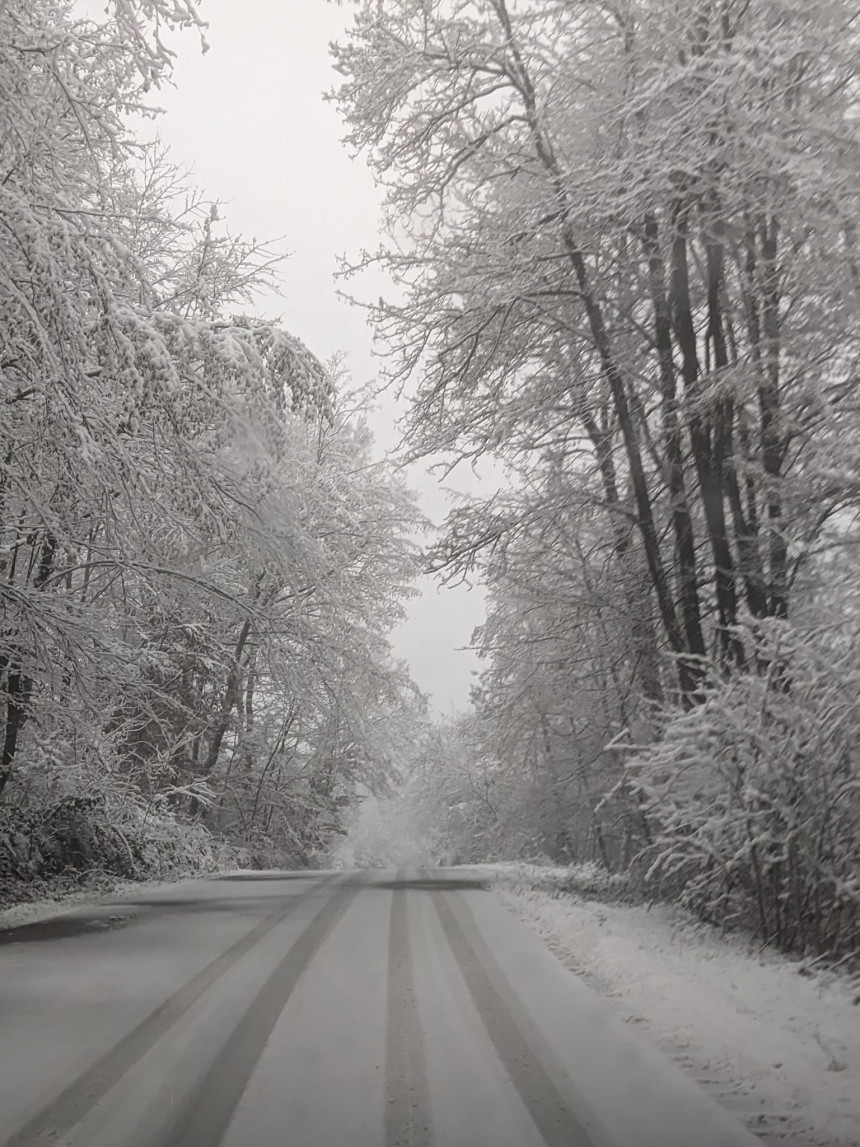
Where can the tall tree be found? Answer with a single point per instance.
(200, 560)
(626, 232)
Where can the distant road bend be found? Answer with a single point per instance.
(307, 1009)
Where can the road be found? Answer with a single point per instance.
(365, 1009)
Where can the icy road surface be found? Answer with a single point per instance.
(296, 1009)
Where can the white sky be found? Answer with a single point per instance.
(249, 118)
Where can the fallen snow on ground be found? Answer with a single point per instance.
(773, 1041)
(34, 911)
(250, 873)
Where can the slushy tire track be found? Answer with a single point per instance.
(544, 1102)
(208, 1112)
(76, 1101)
(407, 1100)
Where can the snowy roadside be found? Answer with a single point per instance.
(774, 1043)
(35, 911)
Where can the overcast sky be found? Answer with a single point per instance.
(249, 118)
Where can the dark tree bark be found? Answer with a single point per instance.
(644, 639)
(682, 525)
(774, 442)
(708, 448)
(230, 699)
(19, 684)
(689, 675)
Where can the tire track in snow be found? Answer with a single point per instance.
(206, 1114)
(549, 1109)
(75, 1102)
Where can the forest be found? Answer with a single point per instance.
(201, 559)
(622, 244)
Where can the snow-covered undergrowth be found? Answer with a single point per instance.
(77, 848)
(588, 879)
(771, 1038)
(74, 844)
(754, 797)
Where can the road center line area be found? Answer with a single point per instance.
(407, 1112)
(364, 1009)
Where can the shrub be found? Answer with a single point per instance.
(754, 797)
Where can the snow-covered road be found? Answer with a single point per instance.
(366, 1009)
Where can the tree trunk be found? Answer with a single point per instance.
(773, 442)
(707, 454)
(19, 685)
(229, 701)
(689, 676)
(685, 543)
(644, 639)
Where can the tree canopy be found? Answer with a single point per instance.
(624, 236)
(200, 557)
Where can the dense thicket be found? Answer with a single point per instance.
(199, 558)
(626, 239)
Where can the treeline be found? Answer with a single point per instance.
(199, 558)
(626, 236)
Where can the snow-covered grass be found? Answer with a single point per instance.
(587, 879)
(773, 1040)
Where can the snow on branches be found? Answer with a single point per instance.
(199, 562)
(625, 241)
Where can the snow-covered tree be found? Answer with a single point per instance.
(625, 234)
(199, 558)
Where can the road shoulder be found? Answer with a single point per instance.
(778, 1048)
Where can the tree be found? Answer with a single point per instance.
(564, 657)
(625, 240)
(199, 559)
(624, 233)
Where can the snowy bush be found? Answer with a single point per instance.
(587, 881)
(754, 797)
(593, 880)
(54, 845)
